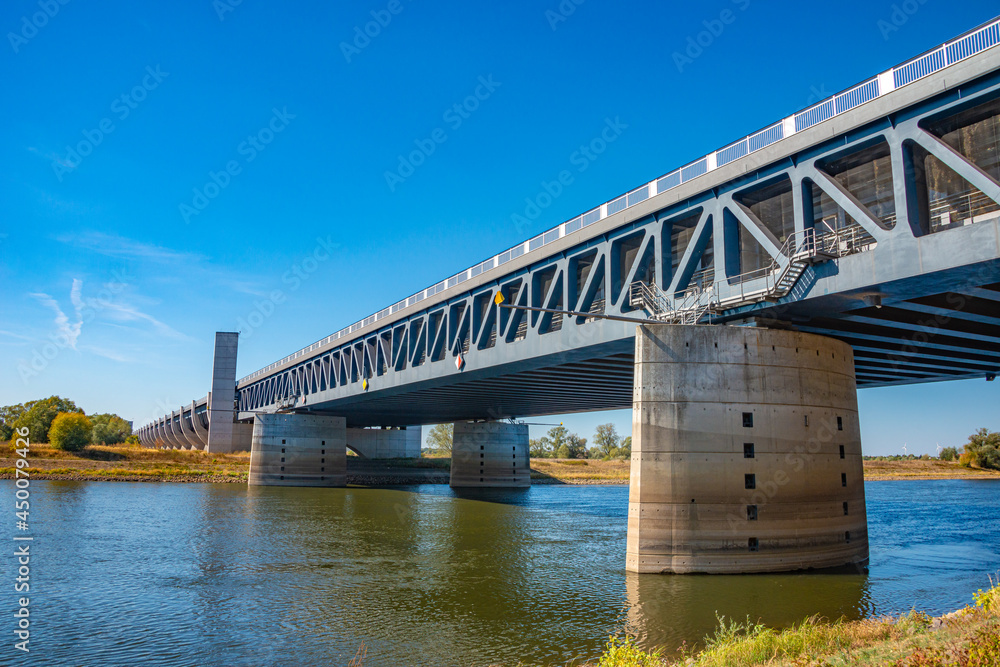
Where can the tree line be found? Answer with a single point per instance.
(981, 451)
(558, 443)
(59, 422)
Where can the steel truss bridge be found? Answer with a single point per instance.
(872, 217)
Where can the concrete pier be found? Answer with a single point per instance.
(385, 443)
(221, 401)
(490, 454)
(746, 452)
(298, 450)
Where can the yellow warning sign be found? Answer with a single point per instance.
(498, 299)
(364, 384)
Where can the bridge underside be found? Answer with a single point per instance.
(926, 329)
(584, 384)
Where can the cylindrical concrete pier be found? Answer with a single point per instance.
(746, 452)
(298, 450)
(490, 454)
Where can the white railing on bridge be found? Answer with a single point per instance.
(965, 46)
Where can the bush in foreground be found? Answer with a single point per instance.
(982, 450)
(70, 431)
(969, 637)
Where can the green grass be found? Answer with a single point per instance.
(969, 637)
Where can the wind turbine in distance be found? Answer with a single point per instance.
(939, 448)
(905, 452)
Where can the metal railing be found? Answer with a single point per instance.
(969, 44)
(769, 282)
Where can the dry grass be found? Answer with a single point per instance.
(127, 462)
(919, 469)
(580, 471)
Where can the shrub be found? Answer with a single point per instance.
(109, 429)
(949, 454)
(70, 431)
(982, 450)
(38, 416)
(623, 653)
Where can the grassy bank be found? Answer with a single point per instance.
(919, 469)
(127, 463)
(134, 463)
(969, 637)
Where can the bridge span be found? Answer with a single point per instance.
(854, 243)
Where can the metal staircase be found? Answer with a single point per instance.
(775, 281)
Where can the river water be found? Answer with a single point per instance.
(203, 574)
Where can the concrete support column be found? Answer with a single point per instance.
(490, 454)
(188, 431)
(200, 429)
(173, 432)
(385, 443)
(298, 450)
(746, 452)
(221, 400)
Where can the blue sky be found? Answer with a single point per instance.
(172, 169)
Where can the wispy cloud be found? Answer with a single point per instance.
(107, 354)
(70, 331)
(113, 245)
(14, 335)
(52, 156)
(126, 313)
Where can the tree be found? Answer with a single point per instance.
(607, 440)
(109, 429)
(576, 446)
(982, 450)
(559, 443)
(538, 448)
(38, 416)
(8, 415)
(948, 454)
(625, 449)
(70, 431)
(440, 438)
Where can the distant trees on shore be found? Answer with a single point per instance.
(558, 443)
(981, 451)
(59, 422)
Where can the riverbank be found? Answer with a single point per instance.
(920, 469)
(968, 637)
(132, 463)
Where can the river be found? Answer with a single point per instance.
(223, 574)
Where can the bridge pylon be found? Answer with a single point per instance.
(490, 454)
(746, 452)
